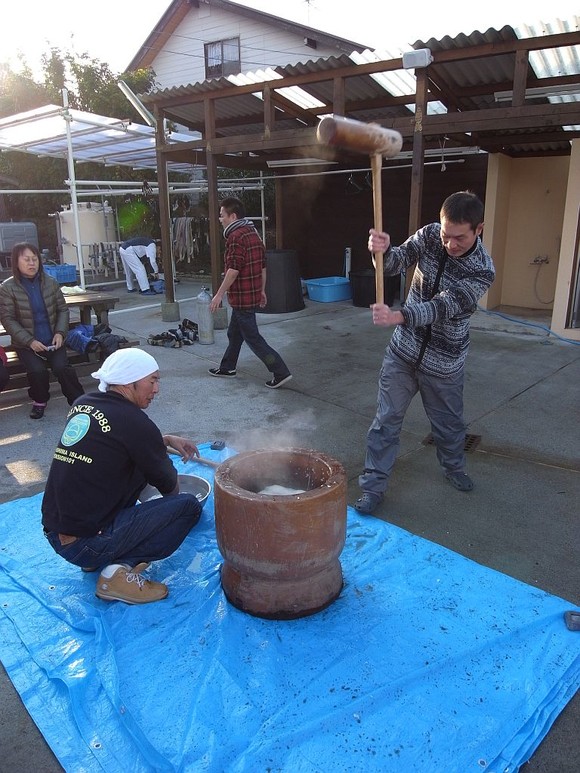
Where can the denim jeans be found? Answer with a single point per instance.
(4, 376)
(243, 327)
(145, 532)
(37, 374)
(442, 400)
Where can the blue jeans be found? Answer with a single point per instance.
(4, 376)
(442, 400)
(243, 327)
(145, 532)
(38, 379)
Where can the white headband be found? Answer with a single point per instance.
(125, 366)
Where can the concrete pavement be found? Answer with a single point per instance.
(521, 398)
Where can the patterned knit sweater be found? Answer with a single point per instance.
(442, 321)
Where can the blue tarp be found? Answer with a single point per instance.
(426, 662)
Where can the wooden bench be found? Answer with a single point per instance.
(85, 304)
(84, 364)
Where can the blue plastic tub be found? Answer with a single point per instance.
(329, 289)
(62, 273)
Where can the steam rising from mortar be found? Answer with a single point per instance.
(286, 434)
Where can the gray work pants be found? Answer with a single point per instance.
(443, 402)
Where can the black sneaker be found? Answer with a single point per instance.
(368, 502)
(222, 373)
(37, 411)
(277, 381)
(459, 480)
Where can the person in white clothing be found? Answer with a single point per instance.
(131, 252)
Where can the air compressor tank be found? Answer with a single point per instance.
(204, 317)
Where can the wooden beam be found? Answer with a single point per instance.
(496, 119)
(295, 111)
(338, 97)
(521, 67)
(212, 196)
(485, 89)
(224, 92)
(441, 91)
(495, 143)
(418, 163)
(543, 42)
(269, 110)
(490, 121)
(451, 97)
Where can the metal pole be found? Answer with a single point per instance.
(73, 187)
(263, 204)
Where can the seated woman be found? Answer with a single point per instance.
(34, 314)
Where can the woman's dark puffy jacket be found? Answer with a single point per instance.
(16, 313)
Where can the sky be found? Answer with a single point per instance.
(113, 30)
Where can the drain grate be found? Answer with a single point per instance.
(471, 442)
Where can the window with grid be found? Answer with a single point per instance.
(222, 58)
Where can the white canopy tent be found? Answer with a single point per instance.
(61, 132)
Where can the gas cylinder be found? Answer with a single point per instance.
(204, 317)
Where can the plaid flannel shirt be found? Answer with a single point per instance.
(246, 254)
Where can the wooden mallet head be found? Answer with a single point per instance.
(369, 138)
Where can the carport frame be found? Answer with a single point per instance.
(86, 137)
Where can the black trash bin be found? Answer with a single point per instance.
(364, 287)
(283, 285)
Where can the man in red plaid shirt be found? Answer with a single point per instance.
(244, 282)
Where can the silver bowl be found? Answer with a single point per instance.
(188, 484)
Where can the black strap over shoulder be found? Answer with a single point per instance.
(437, 281)
(427, 338)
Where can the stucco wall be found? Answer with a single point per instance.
(537, 194)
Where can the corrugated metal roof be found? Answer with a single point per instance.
(358, 88)
(499, 69)
(470, 84)
(553, 62)
(466, 84)
(362, 89)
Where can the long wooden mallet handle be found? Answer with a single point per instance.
(376, 170)
(200, 459)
